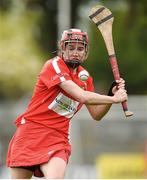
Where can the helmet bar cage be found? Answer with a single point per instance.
(71, 36)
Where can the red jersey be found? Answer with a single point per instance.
(42, 131)
(50, 105)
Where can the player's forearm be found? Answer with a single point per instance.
(90, 98)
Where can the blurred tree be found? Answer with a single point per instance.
(47, 24)
(5, 5)
(19, 53)
(134, 43)
(75, 8)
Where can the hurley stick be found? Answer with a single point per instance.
(103, 19)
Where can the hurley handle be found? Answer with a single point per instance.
(115, 70)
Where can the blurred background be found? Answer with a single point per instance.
(115, 147)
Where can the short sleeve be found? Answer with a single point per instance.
(90, 85)
(54, 72)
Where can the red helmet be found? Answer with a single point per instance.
(73, 35)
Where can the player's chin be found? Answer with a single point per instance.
(77, 60)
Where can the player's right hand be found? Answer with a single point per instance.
(120, 96)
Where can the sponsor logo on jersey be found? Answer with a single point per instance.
(64, 105)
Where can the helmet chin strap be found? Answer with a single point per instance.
(72, 63)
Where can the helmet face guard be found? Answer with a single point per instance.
(73, 35)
